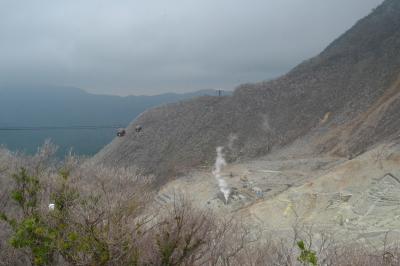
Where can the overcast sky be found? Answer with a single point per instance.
(154, 46)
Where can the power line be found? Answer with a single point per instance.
(41, 128)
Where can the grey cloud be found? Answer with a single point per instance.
(147, 47)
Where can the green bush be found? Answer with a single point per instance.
(94, 229)
(31, 230)
(307, 256)
(53, 231)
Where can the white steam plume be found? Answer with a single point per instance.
(219, 165)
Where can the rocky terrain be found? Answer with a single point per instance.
(343, 102)
(351, 200)
(318, 146)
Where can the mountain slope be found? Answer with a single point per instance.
(319, 98)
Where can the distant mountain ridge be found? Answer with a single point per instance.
(344, 100)
(52, 106)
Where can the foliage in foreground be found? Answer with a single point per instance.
(105, 216)
(98, 236)
(72, 214)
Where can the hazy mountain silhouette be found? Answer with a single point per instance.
(22, 106)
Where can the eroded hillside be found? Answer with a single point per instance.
(350, 200)
(344, 100)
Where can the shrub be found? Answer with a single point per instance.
(31, 230)
(82, 229)
(307, 256)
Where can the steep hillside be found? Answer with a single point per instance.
(334, 98)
